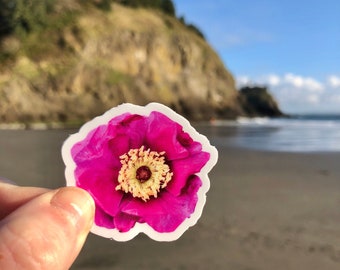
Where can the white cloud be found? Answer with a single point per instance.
(335, 99)
(313, 99)
(294, 80)
(296, 93)
(308, 83)
(243, 80)
(334, 81)
(273, 80)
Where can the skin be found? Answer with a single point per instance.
(41, 228)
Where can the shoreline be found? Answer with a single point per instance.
(38, 126)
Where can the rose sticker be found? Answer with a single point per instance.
(146, 169)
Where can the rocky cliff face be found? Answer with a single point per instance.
(257, 101)
(101, 59)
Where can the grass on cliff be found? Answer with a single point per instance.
(115, 77)
(38, 25)
(48, 41)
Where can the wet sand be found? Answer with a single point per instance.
(265, 210)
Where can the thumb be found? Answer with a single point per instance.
(48, 232)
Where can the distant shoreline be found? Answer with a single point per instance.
(215, 122)
(38, 126)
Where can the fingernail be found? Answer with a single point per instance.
(7, 181)
(78, 205)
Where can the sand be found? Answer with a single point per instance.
(265, 210)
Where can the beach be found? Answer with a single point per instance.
(264, 210)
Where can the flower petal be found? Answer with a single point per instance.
(101, 184)
(167, 212)
(132, 127)
(185, 140)
(102, 219)
(124, 222)
(183, 168)
(162, 136)
(89, 148)
(118, 146)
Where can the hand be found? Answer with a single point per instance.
(42, 229)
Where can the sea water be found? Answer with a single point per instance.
(299, 133)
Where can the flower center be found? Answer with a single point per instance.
(143, 173)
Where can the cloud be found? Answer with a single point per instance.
(334, 81)
(313, 99)
(335, 99)
(273, 80)
(296, 93)
(242, 80)
(307, 83)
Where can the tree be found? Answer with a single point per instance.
(168, 7)
(6, 17)
(30, 15)
(23, 15)
(103, 4)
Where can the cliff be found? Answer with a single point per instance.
(257, 101)
(88, 61)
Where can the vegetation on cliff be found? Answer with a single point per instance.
(22, 17)
(257, 101)
(70, 60)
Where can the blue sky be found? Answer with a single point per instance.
(292, 46)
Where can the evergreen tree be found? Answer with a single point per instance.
(168, 7)
(23, 15)
(6, 17)
(103, 4)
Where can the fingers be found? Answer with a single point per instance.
(12, 197)
(47, 232)
(5, 180)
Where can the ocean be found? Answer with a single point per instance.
(298, 133)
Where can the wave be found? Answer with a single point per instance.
(294, 134)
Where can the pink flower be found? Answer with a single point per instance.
(146, 169)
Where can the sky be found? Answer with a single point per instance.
(290, 46)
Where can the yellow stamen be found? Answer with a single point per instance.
(143, 173)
